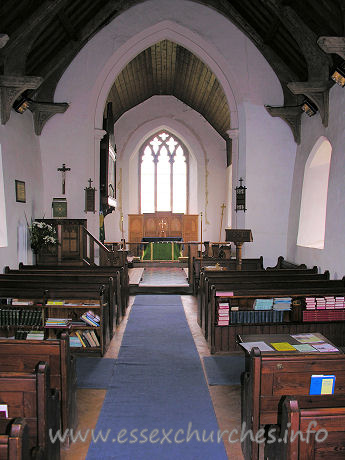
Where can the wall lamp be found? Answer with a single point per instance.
(21, 104)
(241, 197)
(338, 75)
(308, 107)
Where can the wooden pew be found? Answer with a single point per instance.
(209, 278)
(269, 376)
(28, 395)
(223, 338)
(260, 281)
(23, 356)
(49, 279)
(14, 439)
(318, 421)
(109, 270)
(283, 264)
(121, 271)
(200, 262)
(65, 291)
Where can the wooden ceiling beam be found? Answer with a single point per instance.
(318, 84)
(283, 71)
(68, 52)
(15, 52)
(272, 32)
(318, 64)
(334, 45)
(37, 20)
(67, 25)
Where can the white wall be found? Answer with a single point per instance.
(268, 178)
(21, 160)
(332, 257)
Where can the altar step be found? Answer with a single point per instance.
(161, 279)
(162, 263)
(180, 290)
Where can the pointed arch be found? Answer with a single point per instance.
(3, 226)
(312, 221)
(165, 30)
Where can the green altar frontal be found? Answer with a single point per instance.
(162, 251)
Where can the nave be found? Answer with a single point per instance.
(225, 399)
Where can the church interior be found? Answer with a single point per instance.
(171, 229)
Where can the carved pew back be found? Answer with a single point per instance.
(28, 395)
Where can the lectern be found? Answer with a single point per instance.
(238, 236)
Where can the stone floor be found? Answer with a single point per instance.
(164, 276)
(226, 399)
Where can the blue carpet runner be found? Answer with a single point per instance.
(94, 372)
(157, 405)
(224, 370)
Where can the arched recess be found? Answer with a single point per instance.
(312, 221)
(3, 226)
(130, 154)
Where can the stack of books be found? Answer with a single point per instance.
(58, 322)
(339, 302)
(282, 303)
(86, 339)
(55, 302)
(320, 303)
(21, 302)
(263, 304)
(328, 308)
(223, 314)
(74, 341)
(90, 318)
(35, 335)
(310, 303)
(325, 303)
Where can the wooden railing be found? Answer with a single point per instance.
(106, 256)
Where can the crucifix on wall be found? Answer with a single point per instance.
(63, 170)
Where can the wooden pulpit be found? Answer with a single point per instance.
(238, 236)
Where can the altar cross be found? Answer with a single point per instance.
(63, 170)
(223, 206)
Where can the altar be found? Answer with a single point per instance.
(162, 224)
(161, 248)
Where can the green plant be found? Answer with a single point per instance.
(42, 235)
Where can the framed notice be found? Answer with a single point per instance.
(20, 191)
(59, 206)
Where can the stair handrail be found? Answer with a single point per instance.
(93, 240)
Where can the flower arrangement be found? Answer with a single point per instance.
(42, 235)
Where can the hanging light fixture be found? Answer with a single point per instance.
(308, 107)
(21, 104)
(338, 75)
